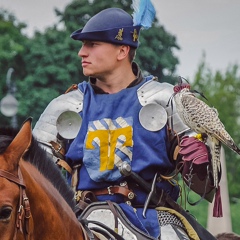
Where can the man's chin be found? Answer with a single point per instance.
(87, 74)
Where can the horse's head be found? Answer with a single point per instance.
(29, 178)
(11, 185)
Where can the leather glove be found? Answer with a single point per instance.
(196, 171)
(194, 150)
(195, 157)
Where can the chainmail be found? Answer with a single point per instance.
(166, 218)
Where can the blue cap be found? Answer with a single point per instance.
(112, 25)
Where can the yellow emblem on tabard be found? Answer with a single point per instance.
(135, 35)
(108, 142)
(119, 35)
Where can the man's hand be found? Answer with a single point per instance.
(194, 150)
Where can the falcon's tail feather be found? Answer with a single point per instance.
(216, 164)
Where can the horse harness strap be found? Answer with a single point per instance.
(24, 205)
(12, 178)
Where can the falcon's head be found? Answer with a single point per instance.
(181, 85)
(185, 88)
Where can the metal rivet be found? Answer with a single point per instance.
(131, 195)
(123, 184)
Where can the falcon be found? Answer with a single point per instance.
(204, 120)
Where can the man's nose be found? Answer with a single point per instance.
(82, 52)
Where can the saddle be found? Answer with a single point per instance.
(108, 219)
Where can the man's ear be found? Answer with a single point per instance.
(123, 52)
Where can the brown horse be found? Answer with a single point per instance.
(35, 200)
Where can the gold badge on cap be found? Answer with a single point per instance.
(135, 35)
(119, 36)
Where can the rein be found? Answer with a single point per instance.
(24, 206)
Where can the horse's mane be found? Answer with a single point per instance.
(45, 165)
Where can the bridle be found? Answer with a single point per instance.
(24, 212)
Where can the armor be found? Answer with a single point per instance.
(153, 92)
(45, 129)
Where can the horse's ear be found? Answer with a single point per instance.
(20, 143)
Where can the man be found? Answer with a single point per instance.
(125, 124)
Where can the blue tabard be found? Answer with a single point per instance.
(111, 132)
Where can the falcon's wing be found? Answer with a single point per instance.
(204, 119)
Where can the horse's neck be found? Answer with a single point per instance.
(48, 207)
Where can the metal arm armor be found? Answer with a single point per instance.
(45, 129)
(160, 93)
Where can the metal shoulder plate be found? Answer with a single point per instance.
(160, 93)
(45, 129)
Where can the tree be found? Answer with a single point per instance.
(52, 67)
(11, 51)
(223, 93)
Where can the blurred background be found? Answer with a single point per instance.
(198, 40)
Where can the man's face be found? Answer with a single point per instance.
(99, 59)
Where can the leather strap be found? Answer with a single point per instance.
(176, 152)
(24, 205)
(12, 178)
(85, 223)
(72, 88)
(75, 176)
(111, 190)
(59, 152)
(58, 149)
(64, 164)
(87, 233)
(115, 214)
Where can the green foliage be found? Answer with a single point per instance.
(157, 56)
(198, 211)
(234, 207)
(11, 39)
(52, 67)
(201, 210)
(223, 93)
(11, 52)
